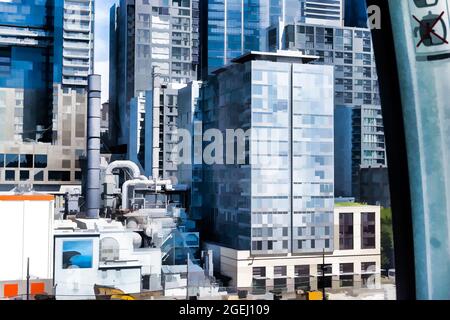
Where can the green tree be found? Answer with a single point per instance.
(387, 243)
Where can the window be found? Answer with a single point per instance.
(345, 231)
(39, 176)
(324, 281)
(12, 160)
(257, 245)
(280, 284)
(280, 271)
(328, 268)
(10, 175)
(24, 175)
(346, 268)
(2, 160)
(346, 277)
(109, 249)
(259, 272)
(301, 231)
(40, 161)
(301, 244)
(368, 230)
(302, 277)
(259, 280)
(59, 175)
(257, 232)
(368, 267)
(26, 161)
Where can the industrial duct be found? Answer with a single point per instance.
(110, 183)
(137, 182)
(93, 147)
(134, 169)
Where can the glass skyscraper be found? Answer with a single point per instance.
(355, 13)
(350, 51)
(147, 36)
(232, 27)
(329, 12)
(46, 54)
(280, 199)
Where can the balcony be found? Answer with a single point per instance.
(75, 82)
(75, 73)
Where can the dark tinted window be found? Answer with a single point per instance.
(59, 175)
(26, 161)
(24, 175)
(40, 161)
(12, 160)
(10, 175)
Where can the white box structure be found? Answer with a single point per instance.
(26, 232)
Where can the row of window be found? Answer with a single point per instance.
(26, 175)
(346, 234)
(23, 161)
(302, 276)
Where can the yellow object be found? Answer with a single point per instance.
(315, 295)
(110, 293)
(122, 297)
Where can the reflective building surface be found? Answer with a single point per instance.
(46, 54)
(350, 51)
(284, 110)
(146, 37)
(237, 26)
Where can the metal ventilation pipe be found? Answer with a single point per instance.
(156, 92)
(137, 182)
(93, 147)
(125, 164)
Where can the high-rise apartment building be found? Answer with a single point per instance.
(46, 54)
(323, 12)
(280, 200)
(148, 37)
(350, 51)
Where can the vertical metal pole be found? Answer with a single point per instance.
(28, 278)
(323, 275)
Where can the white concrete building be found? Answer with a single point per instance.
(355, 261)
(26, 233)
(102, 252)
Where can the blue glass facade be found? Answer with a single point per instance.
(46, 50)
(356, 13)
(26, 13)
(237, 26)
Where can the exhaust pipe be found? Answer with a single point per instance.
(93, 147)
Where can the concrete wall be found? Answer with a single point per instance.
(26, 232)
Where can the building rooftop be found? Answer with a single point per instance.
(275, 56)
(279, 56)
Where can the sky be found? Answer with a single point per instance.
(101, 63)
